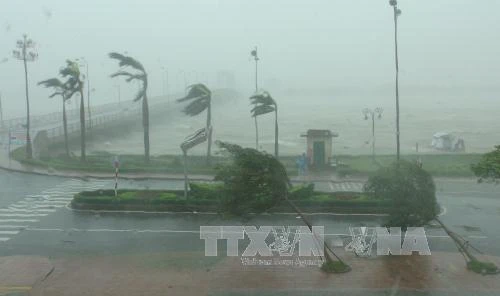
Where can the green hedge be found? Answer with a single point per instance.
(208, 191)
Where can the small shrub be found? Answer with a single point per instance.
(482, 267)
(305, 191)
(334, 267)
(211, 191)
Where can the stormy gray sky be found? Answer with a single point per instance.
(328, 44)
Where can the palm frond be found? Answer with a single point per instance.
(121, 73)
(196, 91)
(197, 106)
(71, 69)
(126, 61)
(261, 109)
(262, 98)
(52, 82)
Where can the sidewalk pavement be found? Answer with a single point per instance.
(18, 274)
(183, 273)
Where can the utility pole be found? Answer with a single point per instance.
(372, 113)
(397, 13)
(26, 54)
(255, 56)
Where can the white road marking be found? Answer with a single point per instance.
(13, 226)
(18, 220)
(8, 232)
(23, 215)
(12, 210)
(4, 239)
(186, 231)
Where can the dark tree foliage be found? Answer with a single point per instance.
(488, 169)
(412, 191)
(254, 182)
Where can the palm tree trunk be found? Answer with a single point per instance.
(256, 134)
(328, 250)
(276, 144)
(209, 127)
(29, 149)
(82, 125)
(145, 124)
(461, 246)
(65, 127)
(186, 181)
(398, 147)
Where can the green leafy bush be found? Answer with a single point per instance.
(210, 191)
(482, 267)
(410, 189)
(254, 182)
(335, 267)
(488, 169)
(299, 192)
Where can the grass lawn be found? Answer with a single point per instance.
(450, 165)
(102, 162)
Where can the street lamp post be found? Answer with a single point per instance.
(372, 113)
(397, 13)
(119, 94)
(165, 82)
(255, 56)
(26, 53)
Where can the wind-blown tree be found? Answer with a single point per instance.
(200, 99)
(74, 84)
(263, 104)
(138, 74)
(488, 168)
(255, 182)
(59, 90)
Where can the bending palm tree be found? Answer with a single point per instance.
(73, 85)
(141, 76)
(264, 104)
(200, 98)
(59, 90)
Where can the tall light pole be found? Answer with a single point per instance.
(4, 60)
(86, 65)
(119, 94)
(26, 53)
(372, 113)
(397, 13)
(255, 56)
(164, 79)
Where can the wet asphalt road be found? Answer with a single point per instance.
(35, 220)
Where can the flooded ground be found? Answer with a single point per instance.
(468, 114)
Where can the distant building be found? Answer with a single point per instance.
(319, 146)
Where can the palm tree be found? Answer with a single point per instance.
(59, 90)
(200, 98)
(74, 84)
(140, 75)
(264, 104)
(397, 13)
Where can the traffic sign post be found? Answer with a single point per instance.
(116, 165)
(196, 138)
